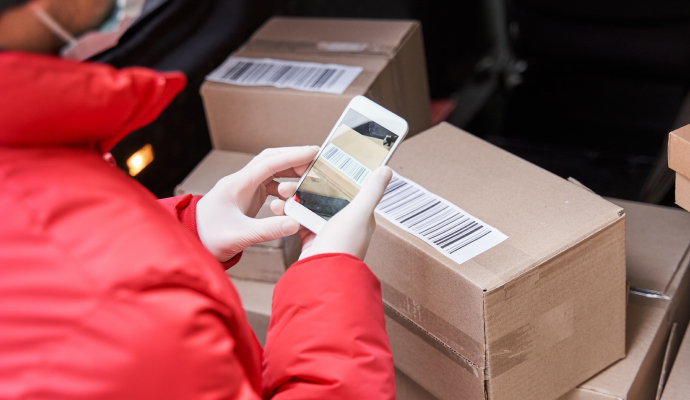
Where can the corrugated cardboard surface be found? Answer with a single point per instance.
(679, 161)
(250, 119)
(657, 260)
(672, 347)
(264, 262)
(267, 263)
(554, 290)
(678, 385)
(256, 300)
(407, 389)
(679, 150)
(683, 191)
(216, 165)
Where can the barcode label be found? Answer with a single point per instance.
(352, 168)
(308, 76)
(446, 227)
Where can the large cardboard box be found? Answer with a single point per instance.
(263, 262)
(391, 53)
(678, 386)
(658, 239)
(679, 161)
(530, 318)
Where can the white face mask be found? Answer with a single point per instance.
(94, 42)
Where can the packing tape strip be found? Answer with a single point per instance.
(457, 345)
(432, 340)
(530, 340)
(322, 47)
(506, 352)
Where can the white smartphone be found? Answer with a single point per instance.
(364, 138)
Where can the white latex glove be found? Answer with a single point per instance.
(225, 215)
(350, 230)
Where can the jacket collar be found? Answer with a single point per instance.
(48, 101)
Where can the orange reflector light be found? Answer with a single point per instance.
(139, 160)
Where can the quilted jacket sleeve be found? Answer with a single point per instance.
(327, 336)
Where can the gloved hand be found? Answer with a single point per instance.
(225, 215)
(350, 230)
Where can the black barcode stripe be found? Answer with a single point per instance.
(441, 224)
(352, 168)
(284, 75)
(428, 216)
(459, 234)
(486, 232)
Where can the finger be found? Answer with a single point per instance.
(276, 150)
(272, 228)
(294, 172)
(286, 189)
(278, 207)
(299, 171)
(371, 193)
(272, 166)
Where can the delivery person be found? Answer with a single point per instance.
(106, 293)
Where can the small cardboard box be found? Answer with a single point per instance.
(391, 53)
(658, 239)
(256, 300)
(263, 262)
(679, 161)
(678, 385)
(530, 318)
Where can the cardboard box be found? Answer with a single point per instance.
(263, 262)
(658, 239)
(678, 386)
(530, 318)
(679, 161)
(256, 300)
(679, 150)
(391, 53)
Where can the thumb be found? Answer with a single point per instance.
(267, 229)
(371, 193)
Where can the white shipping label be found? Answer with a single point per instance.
(307, 76)
(346, 164)
(448, 228)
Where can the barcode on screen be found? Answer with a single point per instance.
(352, 168)
(446, 227)
(308, 76)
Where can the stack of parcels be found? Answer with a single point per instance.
(525, 301)
(532, 313)
(679, 161)
(658, 305)
(288, 85)
(678, 385)
(658, 310)
(262, 262)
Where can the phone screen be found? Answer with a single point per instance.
(358, 146)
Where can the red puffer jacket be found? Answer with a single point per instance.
(103, 295)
